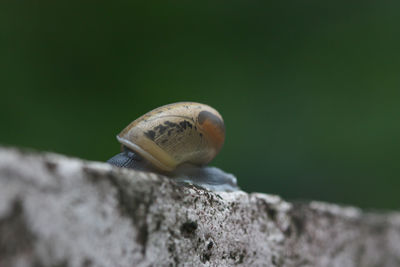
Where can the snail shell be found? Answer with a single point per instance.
(168, 136)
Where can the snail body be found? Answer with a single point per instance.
(177, 140)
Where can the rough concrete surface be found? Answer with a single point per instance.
(60, 211)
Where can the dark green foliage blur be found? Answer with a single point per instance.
(309, 90)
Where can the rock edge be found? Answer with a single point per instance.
(60, 211)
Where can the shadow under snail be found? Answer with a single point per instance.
(177, 140)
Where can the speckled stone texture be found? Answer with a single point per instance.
(59, 211)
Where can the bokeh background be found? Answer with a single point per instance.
(309, 90)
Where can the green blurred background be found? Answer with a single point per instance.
(309, 91)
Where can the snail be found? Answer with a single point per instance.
(177, 140)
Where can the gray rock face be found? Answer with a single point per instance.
(58, 211)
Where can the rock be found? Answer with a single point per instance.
(60, 211)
